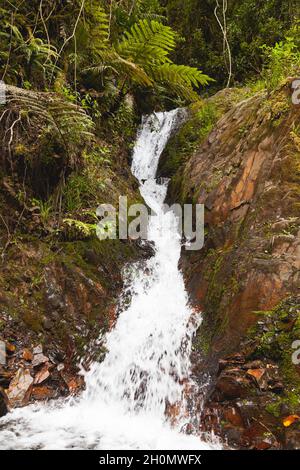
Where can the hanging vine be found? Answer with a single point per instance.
(222, 22)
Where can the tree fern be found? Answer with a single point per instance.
(180, 78)
(98, 30)
(49, 113)
(142, 57)
(147, 42)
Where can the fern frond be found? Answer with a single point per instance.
(182, 79)
(147, 42)
(182, 74)
(111, 60)
(142, 58)
(98, 26)
(137, 73)
(63, 118)
(153, 16)
(77, 228)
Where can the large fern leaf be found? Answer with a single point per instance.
(142, 57)
(98, 33)
(67, 120)
(181, 79)
(183, 74)
(111, 61)
(148, 42)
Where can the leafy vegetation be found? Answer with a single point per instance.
(283, 59)
(81, 73)
(112, 61)
(251, 24)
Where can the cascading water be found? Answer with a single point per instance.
(147, 363)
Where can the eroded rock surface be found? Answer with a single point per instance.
(247, 174)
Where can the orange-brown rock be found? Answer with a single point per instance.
(42, 392)
(246, 173)
(27, 355)
(42, 375)
(20, 388)
(247, 176)
(233, 416)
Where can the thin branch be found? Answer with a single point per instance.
(10, 45)
(110, 17)
(69, 38)
(132, 8)
(226, 45)
(11, 130)
(46, 31)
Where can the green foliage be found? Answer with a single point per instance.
(147, 42)
(45, 209)
(128, 12)
(76, 229)
(182, 145)
(283, 59)
(142, 57)
(251, 24)
(273, 336)
(23, 54)
(53, 116)
(98, 27)
(125, 44)
(84, 187)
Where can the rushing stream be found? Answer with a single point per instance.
(146, 368)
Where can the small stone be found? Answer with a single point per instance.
(74, 383)
(292, 438)
(256, 373)
(56, 356)
(19, 388)
(42, 375)
(42, 392)
(60, 367)
(47, 324)
(10, 348)
(230, 387)
(233, 416)
(38, 349)
(264, 444)
(27, 355)
(39, 359)
(2, 356)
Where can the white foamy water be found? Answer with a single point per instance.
(147, 364)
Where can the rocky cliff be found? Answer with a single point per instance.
(59, 284)
(239, 155)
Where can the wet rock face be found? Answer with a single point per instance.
(54, 306)
(247, 175)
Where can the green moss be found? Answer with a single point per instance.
(274, 335)
(33, 320)
(274, 408)
(280, 105)
(182, 145)
(222, 287)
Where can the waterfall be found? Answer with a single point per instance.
(146, 368)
